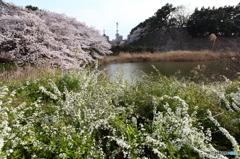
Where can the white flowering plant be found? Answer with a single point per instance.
(81, 114)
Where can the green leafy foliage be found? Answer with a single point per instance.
(81, 114)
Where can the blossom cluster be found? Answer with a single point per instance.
(43, 37)
(230, 101)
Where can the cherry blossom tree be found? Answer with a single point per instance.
(44, 37)
(137, 34)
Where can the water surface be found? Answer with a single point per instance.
(129, 70)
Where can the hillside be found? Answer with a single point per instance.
(174, 28)
(169, 39)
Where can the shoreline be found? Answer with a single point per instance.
(174, 56)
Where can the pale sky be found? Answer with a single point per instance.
(104, 14)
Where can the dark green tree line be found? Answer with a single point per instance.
(223, 21)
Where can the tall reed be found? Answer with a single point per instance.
(165, 56)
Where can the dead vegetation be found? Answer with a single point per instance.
(15, 73)
(204, 55)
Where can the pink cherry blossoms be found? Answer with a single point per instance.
(43, 37)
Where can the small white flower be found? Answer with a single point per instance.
(160, 155)
(62, 155)
(27, 83)
(1, 143)
(13, 93)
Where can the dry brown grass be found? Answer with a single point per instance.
(25, 73)
(204, 55)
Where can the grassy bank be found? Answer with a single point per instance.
(162, 57)
(80, 114)
(15, 73)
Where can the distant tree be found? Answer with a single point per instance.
(181, 14)
(162, 16)
(30, 7)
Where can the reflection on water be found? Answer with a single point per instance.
(165, 68)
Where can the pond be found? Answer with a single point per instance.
(165, 68)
